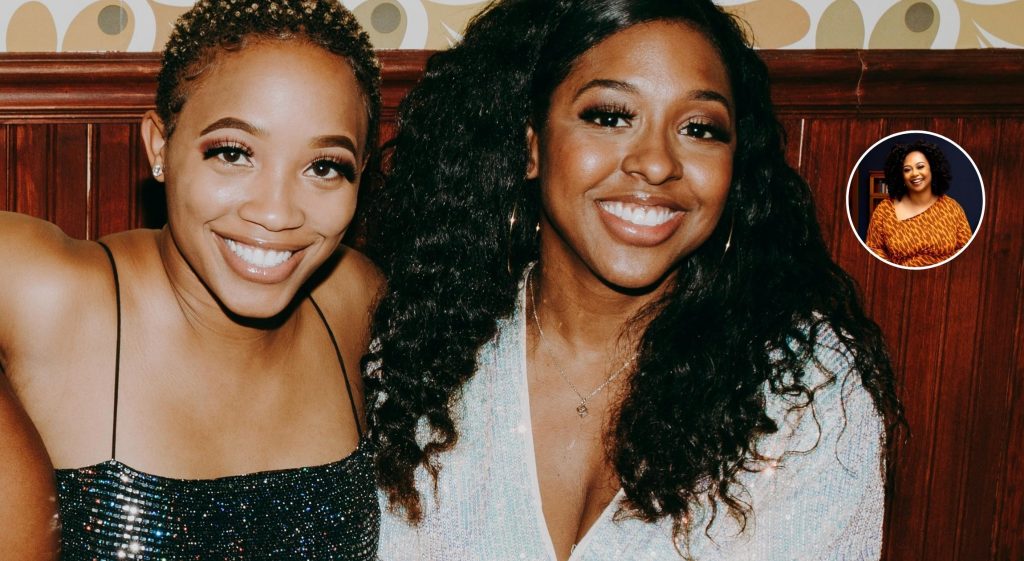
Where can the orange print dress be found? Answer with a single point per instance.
(921, 240)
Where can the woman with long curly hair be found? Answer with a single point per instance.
(918, 225)
(191, 384)
(612, 329)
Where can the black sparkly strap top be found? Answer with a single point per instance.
(110, 511)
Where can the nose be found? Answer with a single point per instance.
(271, 204)
(654, 157)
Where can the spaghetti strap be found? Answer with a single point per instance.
(344, 371)
(117, 355)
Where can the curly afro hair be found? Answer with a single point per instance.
(941, 176)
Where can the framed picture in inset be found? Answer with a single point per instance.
(937, 196)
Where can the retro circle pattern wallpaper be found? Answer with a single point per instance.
(143, 25)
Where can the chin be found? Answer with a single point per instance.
(638, 278)
(262, 319)
(256, 308)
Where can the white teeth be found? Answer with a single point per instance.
(640, 215)
(263, 258)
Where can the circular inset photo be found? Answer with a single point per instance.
(915, 199)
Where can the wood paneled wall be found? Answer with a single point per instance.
(70, 152)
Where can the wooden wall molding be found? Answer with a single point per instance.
(102, 87)
(897, 82)
(76, 86)
(99, 86)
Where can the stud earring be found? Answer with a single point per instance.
(158, 170)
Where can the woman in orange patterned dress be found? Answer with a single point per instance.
(918, 225)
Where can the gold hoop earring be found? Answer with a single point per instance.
(511, 227)
(728, 239)
(512, 219)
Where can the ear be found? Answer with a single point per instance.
(532, 167)
(155, 140)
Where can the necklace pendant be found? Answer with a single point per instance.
(582, 410)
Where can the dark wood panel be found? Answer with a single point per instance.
(974, 283)
(998, 372)
(70, 181)
(1009, 536)
(956, 330)
(7, 159)
(114, 185)
(30, 178)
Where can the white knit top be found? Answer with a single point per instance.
(823, 501)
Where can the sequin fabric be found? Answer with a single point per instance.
(110, 511)
(822, 501)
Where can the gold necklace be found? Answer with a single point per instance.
(581, 409)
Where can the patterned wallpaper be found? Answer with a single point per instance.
(143, 25)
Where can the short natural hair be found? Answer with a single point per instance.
(213, 25)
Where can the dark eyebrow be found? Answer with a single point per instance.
(233, 123)
(331, 141)
(711, 95)
(603, 83)
(318, 142)
(696, 95)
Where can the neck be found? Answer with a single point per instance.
(922, 198)
(588, 315)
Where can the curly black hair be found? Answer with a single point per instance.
(214, 25)
(941, 175)
(440, 230)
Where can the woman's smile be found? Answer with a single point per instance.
(642, 223)
(265, 263)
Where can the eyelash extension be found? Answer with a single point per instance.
(219, 147)
(614, 110)
(717, 133)
(345, 169)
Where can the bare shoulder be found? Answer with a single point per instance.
(347, 289)
(30, 241)
(349, 282)
(46, 275)
(54, 286)
(35, 251)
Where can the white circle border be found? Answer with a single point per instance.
(853, 173)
